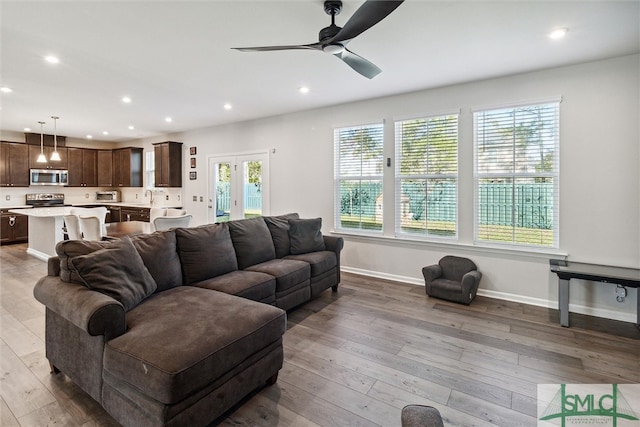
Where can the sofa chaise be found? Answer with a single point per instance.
(176, 327)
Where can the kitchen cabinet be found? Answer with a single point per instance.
(127, 167)
(34, 152)
(83, 165)
(14, 228)
(129, 213)
(168, 164)
(105, 168)
(14, 164)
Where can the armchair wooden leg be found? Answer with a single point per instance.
(53, 369)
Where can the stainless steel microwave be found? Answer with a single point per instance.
(48, 177)
(107, 196)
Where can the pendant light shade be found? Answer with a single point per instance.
(41, 157)
(55, 156)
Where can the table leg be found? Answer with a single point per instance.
(563, 301)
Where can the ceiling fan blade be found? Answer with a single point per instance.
(359, 64)
(368, 15)
(316, 46)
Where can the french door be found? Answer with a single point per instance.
(239, 187)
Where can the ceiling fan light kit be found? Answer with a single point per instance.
(333, 39)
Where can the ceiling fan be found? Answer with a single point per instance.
(333, 39)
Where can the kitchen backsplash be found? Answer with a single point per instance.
(11, 197)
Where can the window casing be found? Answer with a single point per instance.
(427, 177)
(358, 178)
(516, 171)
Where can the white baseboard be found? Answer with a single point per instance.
(40, 255)
(539, 302)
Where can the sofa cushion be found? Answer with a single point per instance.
(320, 262)
(252, 241)
(117, 271)
(279, 229)
(288, 272)
(158, 251)
(205, 251)
(67, 250)
(305, 235)
(253, 285)
(203, 335)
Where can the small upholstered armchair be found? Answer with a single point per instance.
(453, 278)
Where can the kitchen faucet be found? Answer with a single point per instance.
(150, 196)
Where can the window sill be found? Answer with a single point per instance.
(543, 253)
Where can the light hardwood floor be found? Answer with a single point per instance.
(354, 357)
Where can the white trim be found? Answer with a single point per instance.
(527, 252)
(538, 302)
(456, 112)
(516, 104)
(40, 255)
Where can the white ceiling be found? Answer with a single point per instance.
(173, 58)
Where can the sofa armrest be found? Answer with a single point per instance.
(53, 266)
(91, 311)
(431, 273)
(470, 282)
(333, 243)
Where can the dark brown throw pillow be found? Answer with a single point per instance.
(67, 250)
(117, 271)
(305, 236)
(279, 228)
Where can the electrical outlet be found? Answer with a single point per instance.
(166, 197)
(86, 195)
(195, 198)
(201, 199)
(8, 197)
(178, 197)
(136, 195)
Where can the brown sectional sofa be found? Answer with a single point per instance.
(175, 327)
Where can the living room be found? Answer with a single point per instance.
(599, 196)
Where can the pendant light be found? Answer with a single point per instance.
(41, 158)
(55, 156)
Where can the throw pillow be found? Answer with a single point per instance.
(305, 236)
(67, 250)
(117, 271)
(279, 228)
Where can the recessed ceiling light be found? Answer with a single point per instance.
(131, 127)
(168, 119)
(89, 136)
(51, 59)
(558, 33)
(228, 106)
(27, 129)
(104, 132)
(126, 99)
(303, 89)
(5, 89)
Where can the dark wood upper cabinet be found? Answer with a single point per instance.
(127, 167)
(34, 152)
(168, 164)
(105, 168)
(14, 164)
(83, 165)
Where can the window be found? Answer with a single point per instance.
(427, 176)
(150, 169)
(516, 175)
(358, 177)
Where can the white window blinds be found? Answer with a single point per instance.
(427, 176)
(516, 175)
(358, 177)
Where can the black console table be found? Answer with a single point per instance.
(567, 270)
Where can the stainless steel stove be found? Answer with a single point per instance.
(39, 200)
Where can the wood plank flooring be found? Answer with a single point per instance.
(352, 358)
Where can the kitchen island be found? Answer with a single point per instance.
(45, 229)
